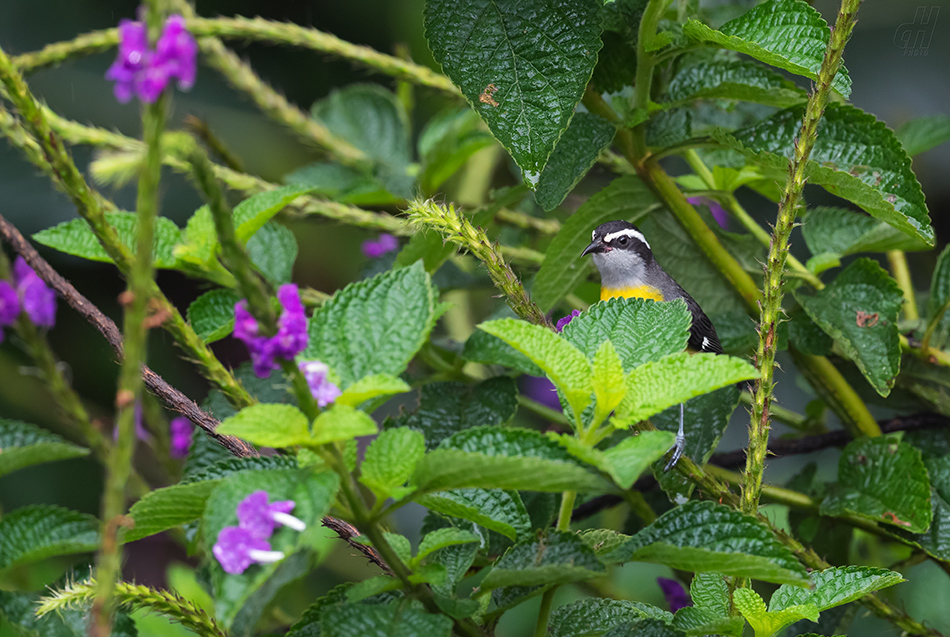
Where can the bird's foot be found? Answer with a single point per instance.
(679, 446)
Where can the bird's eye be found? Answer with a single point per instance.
(623, 241)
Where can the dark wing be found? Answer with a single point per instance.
(702, 333)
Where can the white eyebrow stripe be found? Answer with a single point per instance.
(593, 235)
(626, 232)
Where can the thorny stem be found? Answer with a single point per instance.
(563, 524)
(778, 251)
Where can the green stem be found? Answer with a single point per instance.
(787, 416)
(544, 411)
(778, 252)
(898, 262)
(544, 613)
(832, 387)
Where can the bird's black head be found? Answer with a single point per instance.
(620, 236)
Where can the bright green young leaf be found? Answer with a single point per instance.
(676, 378)
(341, 422)
(399, 543)
(559, 557)
(834, 587)
(199, 238)
(563, 268)
(705, 536)
(641, 330)
(711, 612)
(439, 539)
(487, 49)
(591, 616)
(342, 184)
(482, 347)
(446, 143)
(273, 250)
(625, 461)
(163, 509)
(788, 34)
(859, 310)
(767, 623)
(268, 425)
(370, 387)
(23, 445)
(855, 157)
(923, 133)
(840, 232)
(395, 619)
(390, 461)
(449, 407)
(212, 314)
(74, 237)
(564, 364)
(885, 480)
(734, 79)
(494, 509)
(608, 380)
(373, 326)
(251, 214)
(603, 541)
(575, 153)
(39, 531)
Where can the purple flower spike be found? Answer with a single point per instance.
(567, 319)
(133, 59)
(674, 593)
(320, 386)
(140, 71)
(260, 518)
(37, 299)
(291, 338)
(718, 212)
(9, 304)
(176, 52)
(383, 244)
(237, 548)
(180, 429)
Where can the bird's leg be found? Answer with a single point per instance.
(679, 445)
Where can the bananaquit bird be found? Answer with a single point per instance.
(628, 269)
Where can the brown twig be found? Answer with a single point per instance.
(347, 533)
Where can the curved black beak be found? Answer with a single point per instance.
(596, 246)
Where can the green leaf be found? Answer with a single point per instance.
(936, 541)
(24, 445)
(251, 214)
(447, 408)
(439, 539)
(840, 232)
(240, 599)
(939, 297)
(273, 250)
(767, 623)
(676, 378)
(563, 268)
(641, 330)
(395, 619)
(834, 587)
(373, 326)
(370, 387)
(564, 364)
(75, 237)
(268, 425)
(494, 509)
(859, 310)
(923, 133)
(18, 616)
(608, 381)
(625, 461)
(711, 609)
(885, 480)
(523, 67)
(341, 422)
(39, 531)
(212, 314)
(390, 461)
(482, 347)
(373, 120)
(575, 153)
(446, 143)
(199, 239)
(705, 536)
(164, 509)
(591, 617)
(788, 34)
(558, 558)
(644, 628)
(342, 184)
(734, 79)
(855, 157)
(495, 458)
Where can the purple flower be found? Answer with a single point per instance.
(9, 306)
(179, 430)
(320, 386)
(291, 337)
(567, 319)
(37, 299)
(718, 212)
(674, 593)
(260, 517)
(383, 244)
(140, 70)
(140, 431)
(237, 548)
(540, 389)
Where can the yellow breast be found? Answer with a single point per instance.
(637, 291)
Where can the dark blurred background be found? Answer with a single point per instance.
(893, 84)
